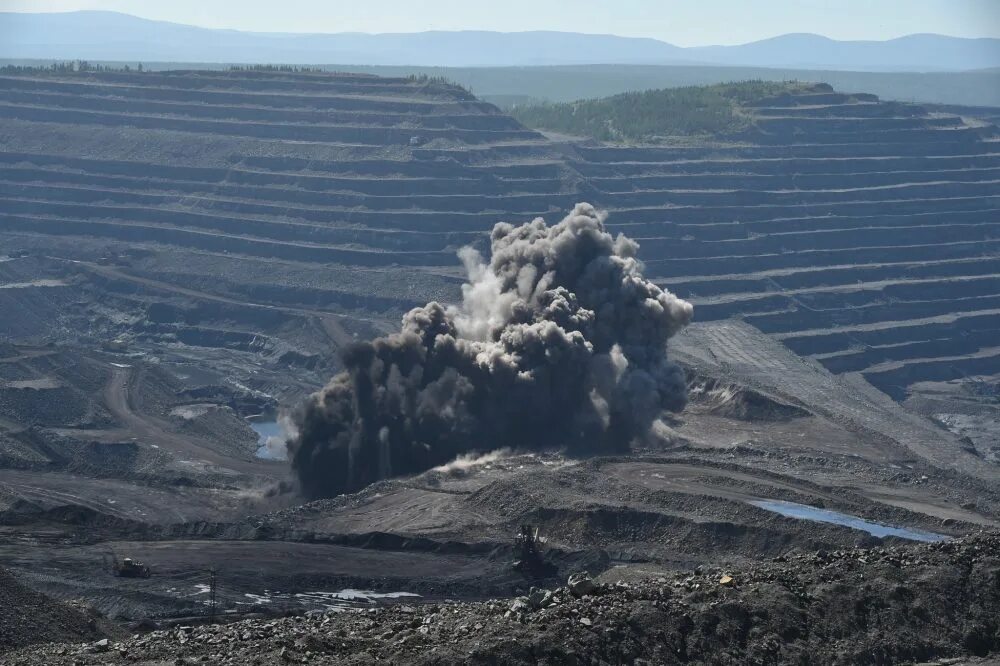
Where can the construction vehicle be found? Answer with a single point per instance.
(129, 568)
(528, 553)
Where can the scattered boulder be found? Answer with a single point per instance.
(100, 646)
(539, 598)
(581, 584)
(520, 605)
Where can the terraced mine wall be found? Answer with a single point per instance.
(860, 233)
(267, 217)
(863, 234)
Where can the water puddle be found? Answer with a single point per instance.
(191, 412)
(326, 601)
(40, 384)
(34, 283)
(270, 440)
(804, 512)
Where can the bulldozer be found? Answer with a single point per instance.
(129, 568)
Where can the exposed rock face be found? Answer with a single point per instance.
(848, 227)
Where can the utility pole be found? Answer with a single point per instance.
(212, 586)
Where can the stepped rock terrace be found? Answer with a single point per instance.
(863, 234)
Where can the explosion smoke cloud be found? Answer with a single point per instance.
(558, 342)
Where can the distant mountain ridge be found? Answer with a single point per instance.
(98, 35)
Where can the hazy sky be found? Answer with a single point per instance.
(686, 23)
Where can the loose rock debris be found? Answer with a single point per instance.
(883, 605)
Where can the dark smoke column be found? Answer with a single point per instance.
(559, 342)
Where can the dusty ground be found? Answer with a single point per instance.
(773, 427)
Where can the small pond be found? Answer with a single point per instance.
(269, 436)
(804, 512)
(327, 601)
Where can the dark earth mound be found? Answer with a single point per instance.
(860, 606)
(27, 617)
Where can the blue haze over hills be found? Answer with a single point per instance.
(99, 35)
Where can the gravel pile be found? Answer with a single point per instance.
(881, 605)
(28, 617)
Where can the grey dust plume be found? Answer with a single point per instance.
(559, 342)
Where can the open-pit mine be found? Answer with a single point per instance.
(187, 256)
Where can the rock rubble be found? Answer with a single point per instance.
(881, 605)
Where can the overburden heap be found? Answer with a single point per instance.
(559, 342)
